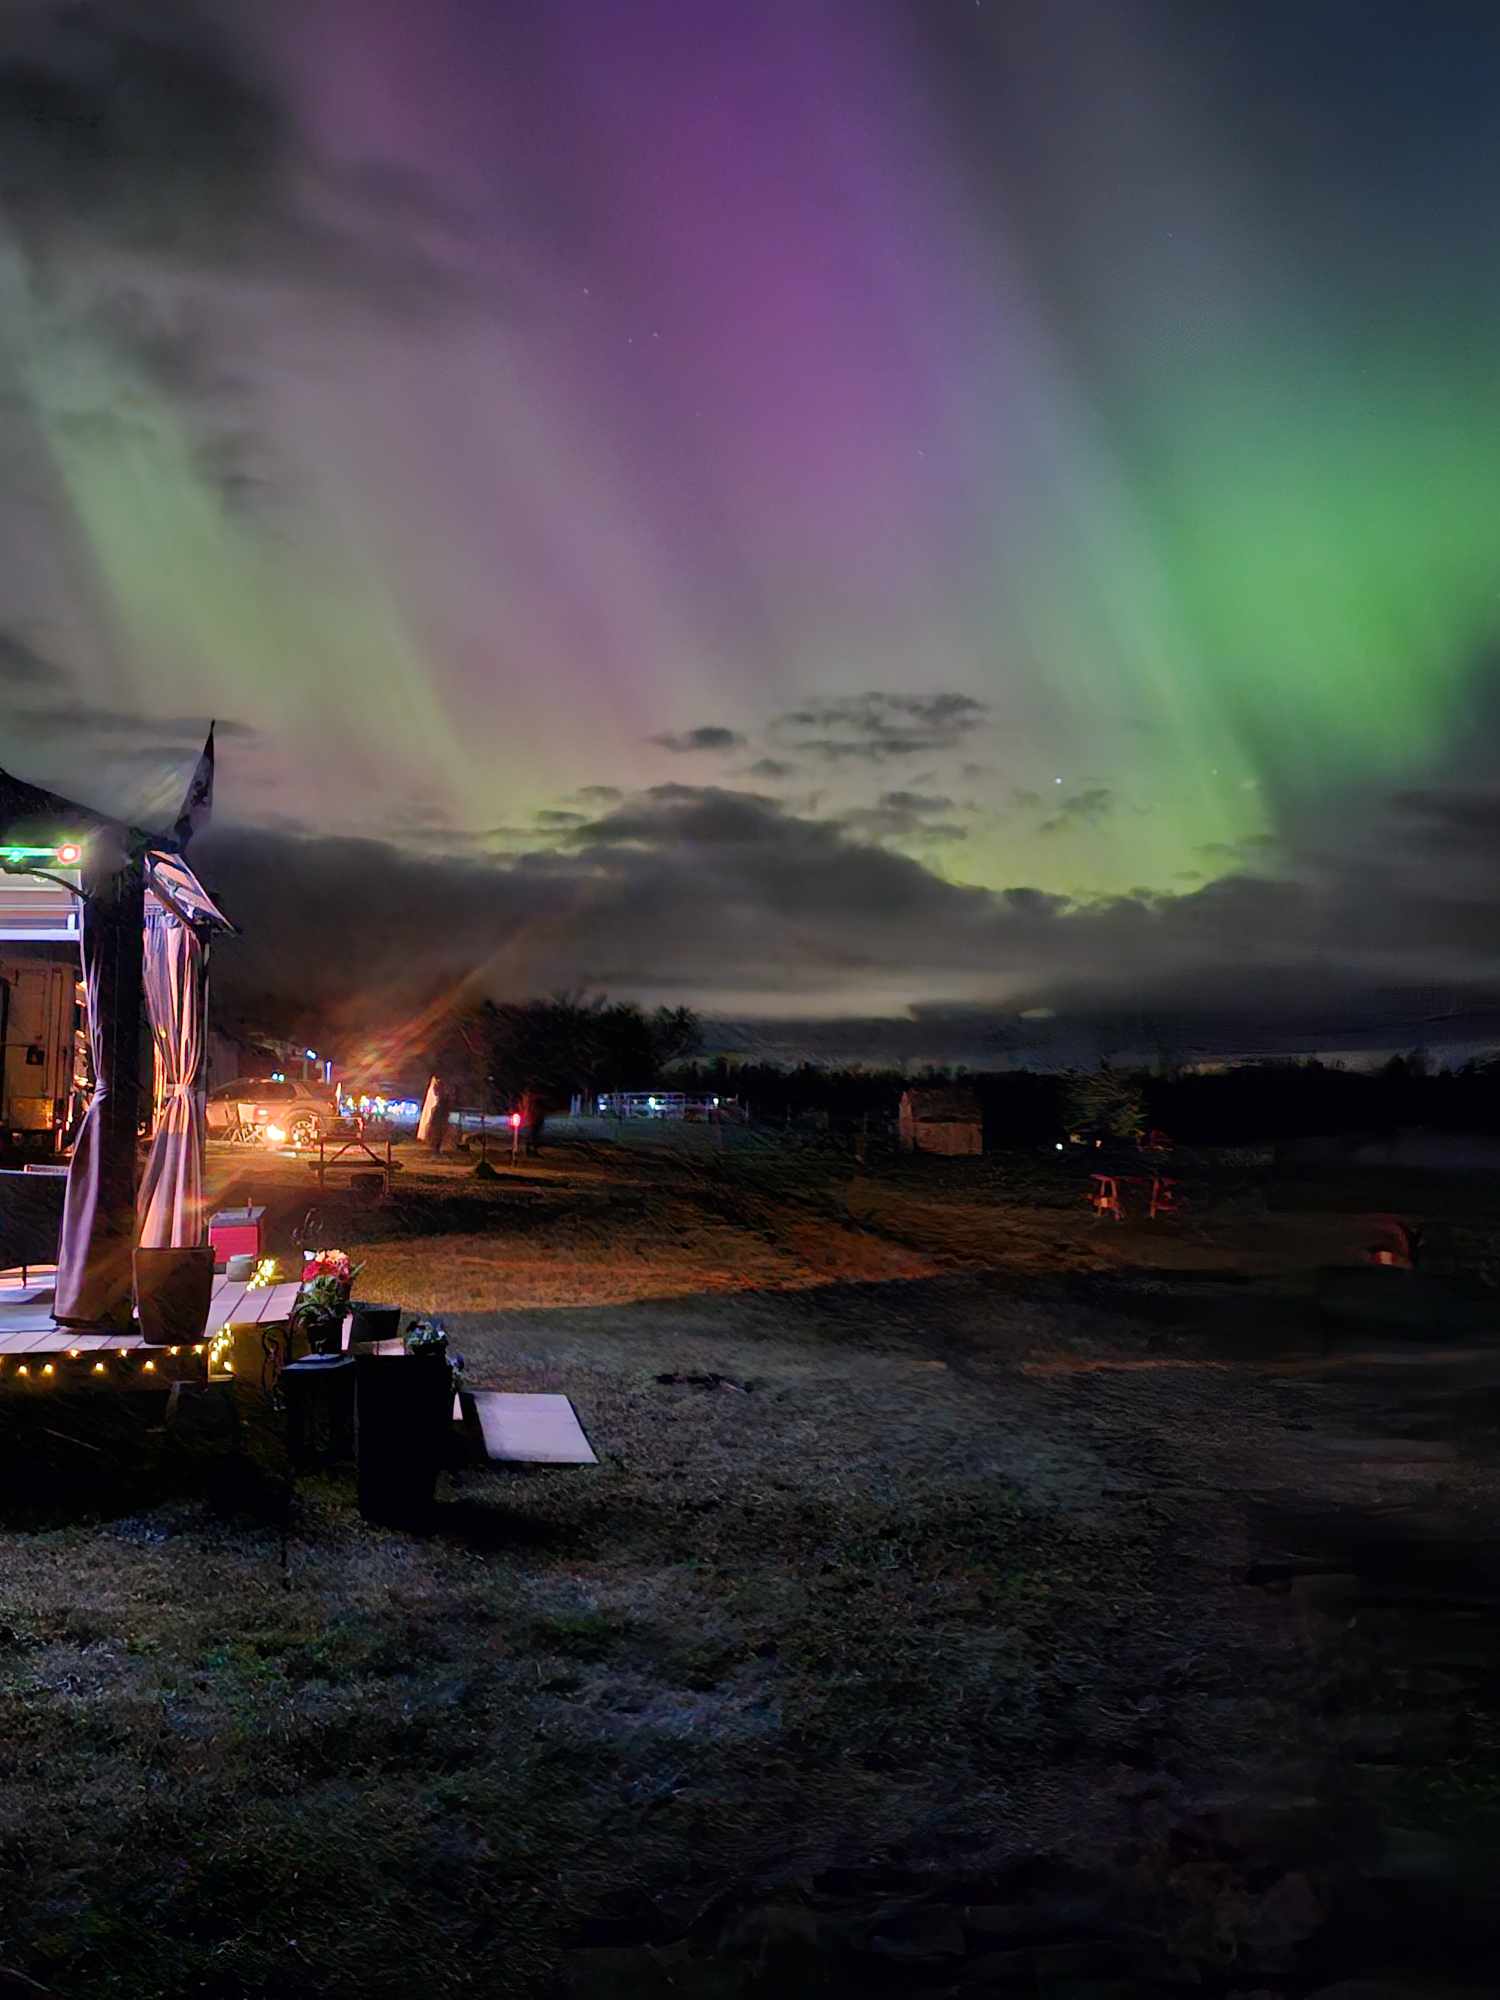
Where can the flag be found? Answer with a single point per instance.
(198, 804)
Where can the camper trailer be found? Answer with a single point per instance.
(42, 1045)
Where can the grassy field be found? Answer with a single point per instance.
(972, 1597)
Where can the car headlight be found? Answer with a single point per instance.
(276, 1135)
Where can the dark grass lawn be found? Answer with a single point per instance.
(951, 1634)
(784, 1624)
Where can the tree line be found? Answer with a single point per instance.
(542, 1053)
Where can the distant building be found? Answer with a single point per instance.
(941, 1120)
(658, 1104)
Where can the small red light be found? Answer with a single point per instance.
(515, 1118)
(69, 852)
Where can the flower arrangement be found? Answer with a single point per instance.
(430, 1337)
(327, 1276)
(329, 1264)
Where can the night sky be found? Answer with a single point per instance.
(809, 508)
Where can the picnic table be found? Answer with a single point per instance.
(361, 1150)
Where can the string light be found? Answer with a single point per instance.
(36, 1369)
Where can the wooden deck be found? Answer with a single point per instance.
(27, 1327)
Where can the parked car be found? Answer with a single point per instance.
(283, 1111)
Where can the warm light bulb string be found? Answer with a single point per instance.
(78, 1363)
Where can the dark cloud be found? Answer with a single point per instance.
(171, 342)
(1250, 851)
(114, 759)
(687, 816)
(436, 837)
(147, 153)
(157, 138)
(23, 668)
(733, 901)
(1086, 808)
(916, 802)
(877, 728)
(116, 728)
(176, 346)
(550, 816)
(908, 817)
(773, 769)
(599, 795)
(1463, 817)
(708, 737)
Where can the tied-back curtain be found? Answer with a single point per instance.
(94, 1263)
(176, 968)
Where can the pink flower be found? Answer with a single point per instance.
(327, 1264)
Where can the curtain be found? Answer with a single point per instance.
(94, 1262)
(176, 969)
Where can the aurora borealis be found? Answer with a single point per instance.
(809, 508)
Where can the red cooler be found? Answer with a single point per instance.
(237, 1232)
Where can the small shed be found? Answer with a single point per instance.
(941, 1120)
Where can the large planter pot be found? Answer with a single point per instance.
(174, 1294)
(322, 1335)
(369, 1322)
(403, 1418)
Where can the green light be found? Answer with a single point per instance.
(28, 853)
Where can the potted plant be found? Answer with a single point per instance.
(331, 1264)
(372, 1322)
(428, 1339)
(404, 1414)
(174, 1293)
(327, 1281)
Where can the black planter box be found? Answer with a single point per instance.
(403, 1421)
